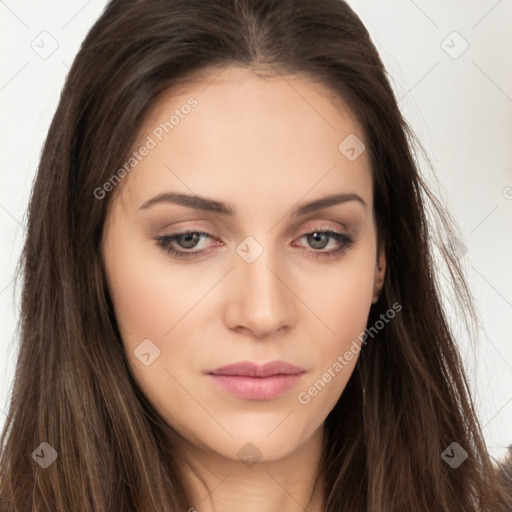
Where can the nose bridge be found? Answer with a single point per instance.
(262, 301)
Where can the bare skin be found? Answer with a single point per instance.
(264, 147)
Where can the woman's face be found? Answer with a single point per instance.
(239, 158)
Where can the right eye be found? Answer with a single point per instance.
(186, 240)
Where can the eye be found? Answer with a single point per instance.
(186, 240)
(317, 239)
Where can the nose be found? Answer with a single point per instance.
(260, 298)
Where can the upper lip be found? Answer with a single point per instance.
(250, 369)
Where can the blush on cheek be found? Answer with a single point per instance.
(144, 310)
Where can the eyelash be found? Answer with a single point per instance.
(347, 241)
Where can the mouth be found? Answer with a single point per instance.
(257, 382)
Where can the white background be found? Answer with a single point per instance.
(460, 108)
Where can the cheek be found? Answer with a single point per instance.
(345, 300)
(343, 306)
(149, 296)
(152, 301)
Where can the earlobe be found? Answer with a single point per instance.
(380, 272)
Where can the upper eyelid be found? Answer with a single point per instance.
(202, 231)
(319, 225)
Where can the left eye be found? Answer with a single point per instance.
(318, 240)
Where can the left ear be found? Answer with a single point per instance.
(380, 272)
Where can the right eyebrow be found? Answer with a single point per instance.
(196, 202)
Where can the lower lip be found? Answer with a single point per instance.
(257, 388)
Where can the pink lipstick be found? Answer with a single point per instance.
(257, 382)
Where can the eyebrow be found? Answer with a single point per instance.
(210, 205)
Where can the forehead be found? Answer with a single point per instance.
(249, 136)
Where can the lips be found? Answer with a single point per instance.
(250, 369)
(257, 382)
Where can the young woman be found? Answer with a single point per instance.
(229, 292)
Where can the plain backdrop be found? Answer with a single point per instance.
(450, 66)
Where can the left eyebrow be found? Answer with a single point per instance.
(211, 205)
(326, 202)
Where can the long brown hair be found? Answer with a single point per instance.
(407, 400)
